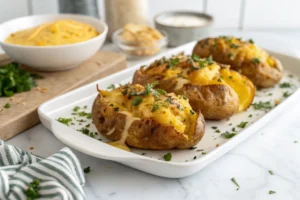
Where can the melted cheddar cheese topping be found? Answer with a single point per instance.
(51, 34)
(166, 109)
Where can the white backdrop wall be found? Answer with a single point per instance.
(233, 14)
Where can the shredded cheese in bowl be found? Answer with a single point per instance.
(60, 32)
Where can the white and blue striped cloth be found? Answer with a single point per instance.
(60, 176)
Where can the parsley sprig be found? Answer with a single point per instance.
(33, 190)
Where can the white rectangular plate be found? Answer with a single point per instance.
(184, 162)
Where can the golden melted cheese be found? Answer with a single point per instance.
(171, 110)
(51, 34)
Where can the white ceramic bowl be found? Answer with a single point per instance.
(51, 58)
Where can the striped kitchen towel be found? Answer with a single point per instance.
(25, 176)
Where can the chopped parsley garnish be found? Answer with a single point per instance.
(88, 125)
(295, 141)
(262, 105)
(192, 112)
(229, 55)
(271, 172)
(168, 157)
(111, 87)
(76, 109)
(192, 148)
(228, 135)
(116, 109)
(7, 105)
(89, 115)
(195, 58)
(250, 115)
(242, 124)
(154, 107)
(13, 80)
(285, 85)
(136, 101)
(230, 77)
(64, 121)
(87, 170)
(256, 60)
(286, 94)
(33, 190)
(173, 62)
(233, 129)
(82, 114)
(270, 94)
(234, 46)
(251, 41)
(219, 79)
(84, 131)
(203, 153)
(214, 127)
(195, 157)
(235, 182)
(218, 131)
(272, 192)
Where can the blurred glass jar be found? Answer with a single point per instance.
(84, 7)
(120, 12)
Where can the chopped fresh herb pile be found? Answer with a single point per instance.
(285, 85)
(13, 80)
(262, 105)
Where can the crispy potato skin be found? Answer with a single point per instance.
(216, 102)
(261, 74)
(144, 133)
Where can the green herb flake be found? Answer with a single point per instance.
(116, 109)
(270, 94)
(195, 58)
(154, 107)
(272, 192)
(168, 157)
(235, 182)
(195, 157)
(286, 94)
(218, 131)
(33, 190)
(271, 172)
(219, 79)
(262, 105)
(192, 148)
(214, 127)
(295, 141)
(228, 135)
(173, 62)
(230, 77)
(88, 125)
(203, 153)
(111, 87)
(250, 115)
(229, 55)
(136, 101)
(234, 46)
(242, 124)
(84, 131)
(87, 170)
(192, 112)
(285, 85)
(7, 105)
(76, 109)
(255, 60)
(82, 114)
(64, 121)
(89, 115)
(251, 41)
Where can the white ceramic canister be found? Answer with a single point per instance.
(120, 12)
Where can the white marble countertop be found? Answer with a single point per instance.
(272, 148)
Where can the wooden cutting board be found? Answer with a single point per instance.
(23, 112)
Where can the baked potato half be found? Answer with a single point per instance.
(258, 65)
(215, 89)
(147, 118)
